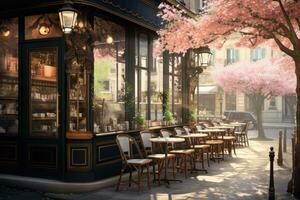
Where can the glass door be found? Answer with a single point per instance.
(43, 90)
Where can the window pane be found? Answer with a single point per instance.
(109, 75)
(177, 98)
(230, 102)
(143, 44)
(144, 92)
(9, 76)
(156, 87)
(42, 26)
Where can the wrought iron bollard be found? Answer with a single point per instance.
(271, 184)
(284, 141)
(279, 159)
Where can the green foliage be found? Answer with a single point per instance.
(139, 119)
(101, 73)
(168, 115)
(192, 116)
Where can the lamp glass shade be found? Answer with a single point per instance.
(68, 18)
(205, 58)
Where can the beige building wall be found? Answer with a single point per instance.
(270, 114)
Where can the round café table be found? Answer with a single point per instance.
(193, 137)
(165, 141)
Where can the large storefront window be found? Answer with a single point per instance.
(175, 87)
(109, 76)
(141, 75)
(9, 76)
(156, 87)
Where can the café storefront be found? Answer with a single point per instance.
(64, 96)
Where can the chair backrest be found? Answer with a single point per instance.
(198, 127)
(187, 129)
(246, 127)
(165, 133)
(126, 144)
(145, 139)
(179, 131)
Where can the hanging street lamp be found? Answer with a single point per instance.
(68, 18)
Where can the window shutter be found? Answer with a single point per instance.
(263, 53)
(237, 55)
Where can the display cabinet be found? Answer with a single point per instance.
(44, 100)
(9, 77)
(77, 84)
(9, 103)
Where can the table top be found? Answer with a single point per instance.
(221, 127)
(211, 130)
(237, 123)
(167, 139)
(194, 135)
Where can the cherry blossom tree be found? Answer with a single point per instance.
(259, 80)
(274, 21)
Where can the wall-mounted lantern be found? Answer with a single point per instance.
(68, 18)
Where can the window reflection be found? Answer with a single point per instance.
(156, 88)
(141, 75)
(175, 87)
(9, 76)
(109, 76)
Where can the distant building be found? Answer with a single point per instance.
(213, 101)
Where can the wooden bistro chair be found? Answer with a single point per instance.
(183, 155)
(198, 145)
(229, 140)
(126, 146)
(157, 158)
(216, 146)
(242, 136)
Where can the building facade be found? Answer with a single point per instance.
(65, 97)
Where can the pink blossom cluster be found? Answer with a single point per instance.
(267, 77)
(256, 20)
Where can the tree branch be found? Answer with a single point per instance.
(294, 37)
(284, 48)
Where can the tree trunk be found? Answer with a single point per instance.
(296, 173)
(258, 102)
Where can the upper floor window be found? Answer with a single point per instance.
(201, 5)
(232, 56)
(258, 54)
(272, 104)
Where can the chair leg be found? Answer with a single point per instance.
(120, 178)
(207, 155)
(202, 158)
(153, 171)
(223, 155)
(148, 177)
(247, 140)
(173, 166)
(139, 178)
(130, 177)
(185, 169)
(159, 165)
(233, 146)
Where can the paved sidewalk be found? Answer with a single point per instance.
(245, 176)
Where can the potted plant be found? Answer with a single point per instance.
(139, 120)
(192, 117)
(168, 116)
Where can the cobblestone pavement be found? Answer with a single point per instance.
(245, 176)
